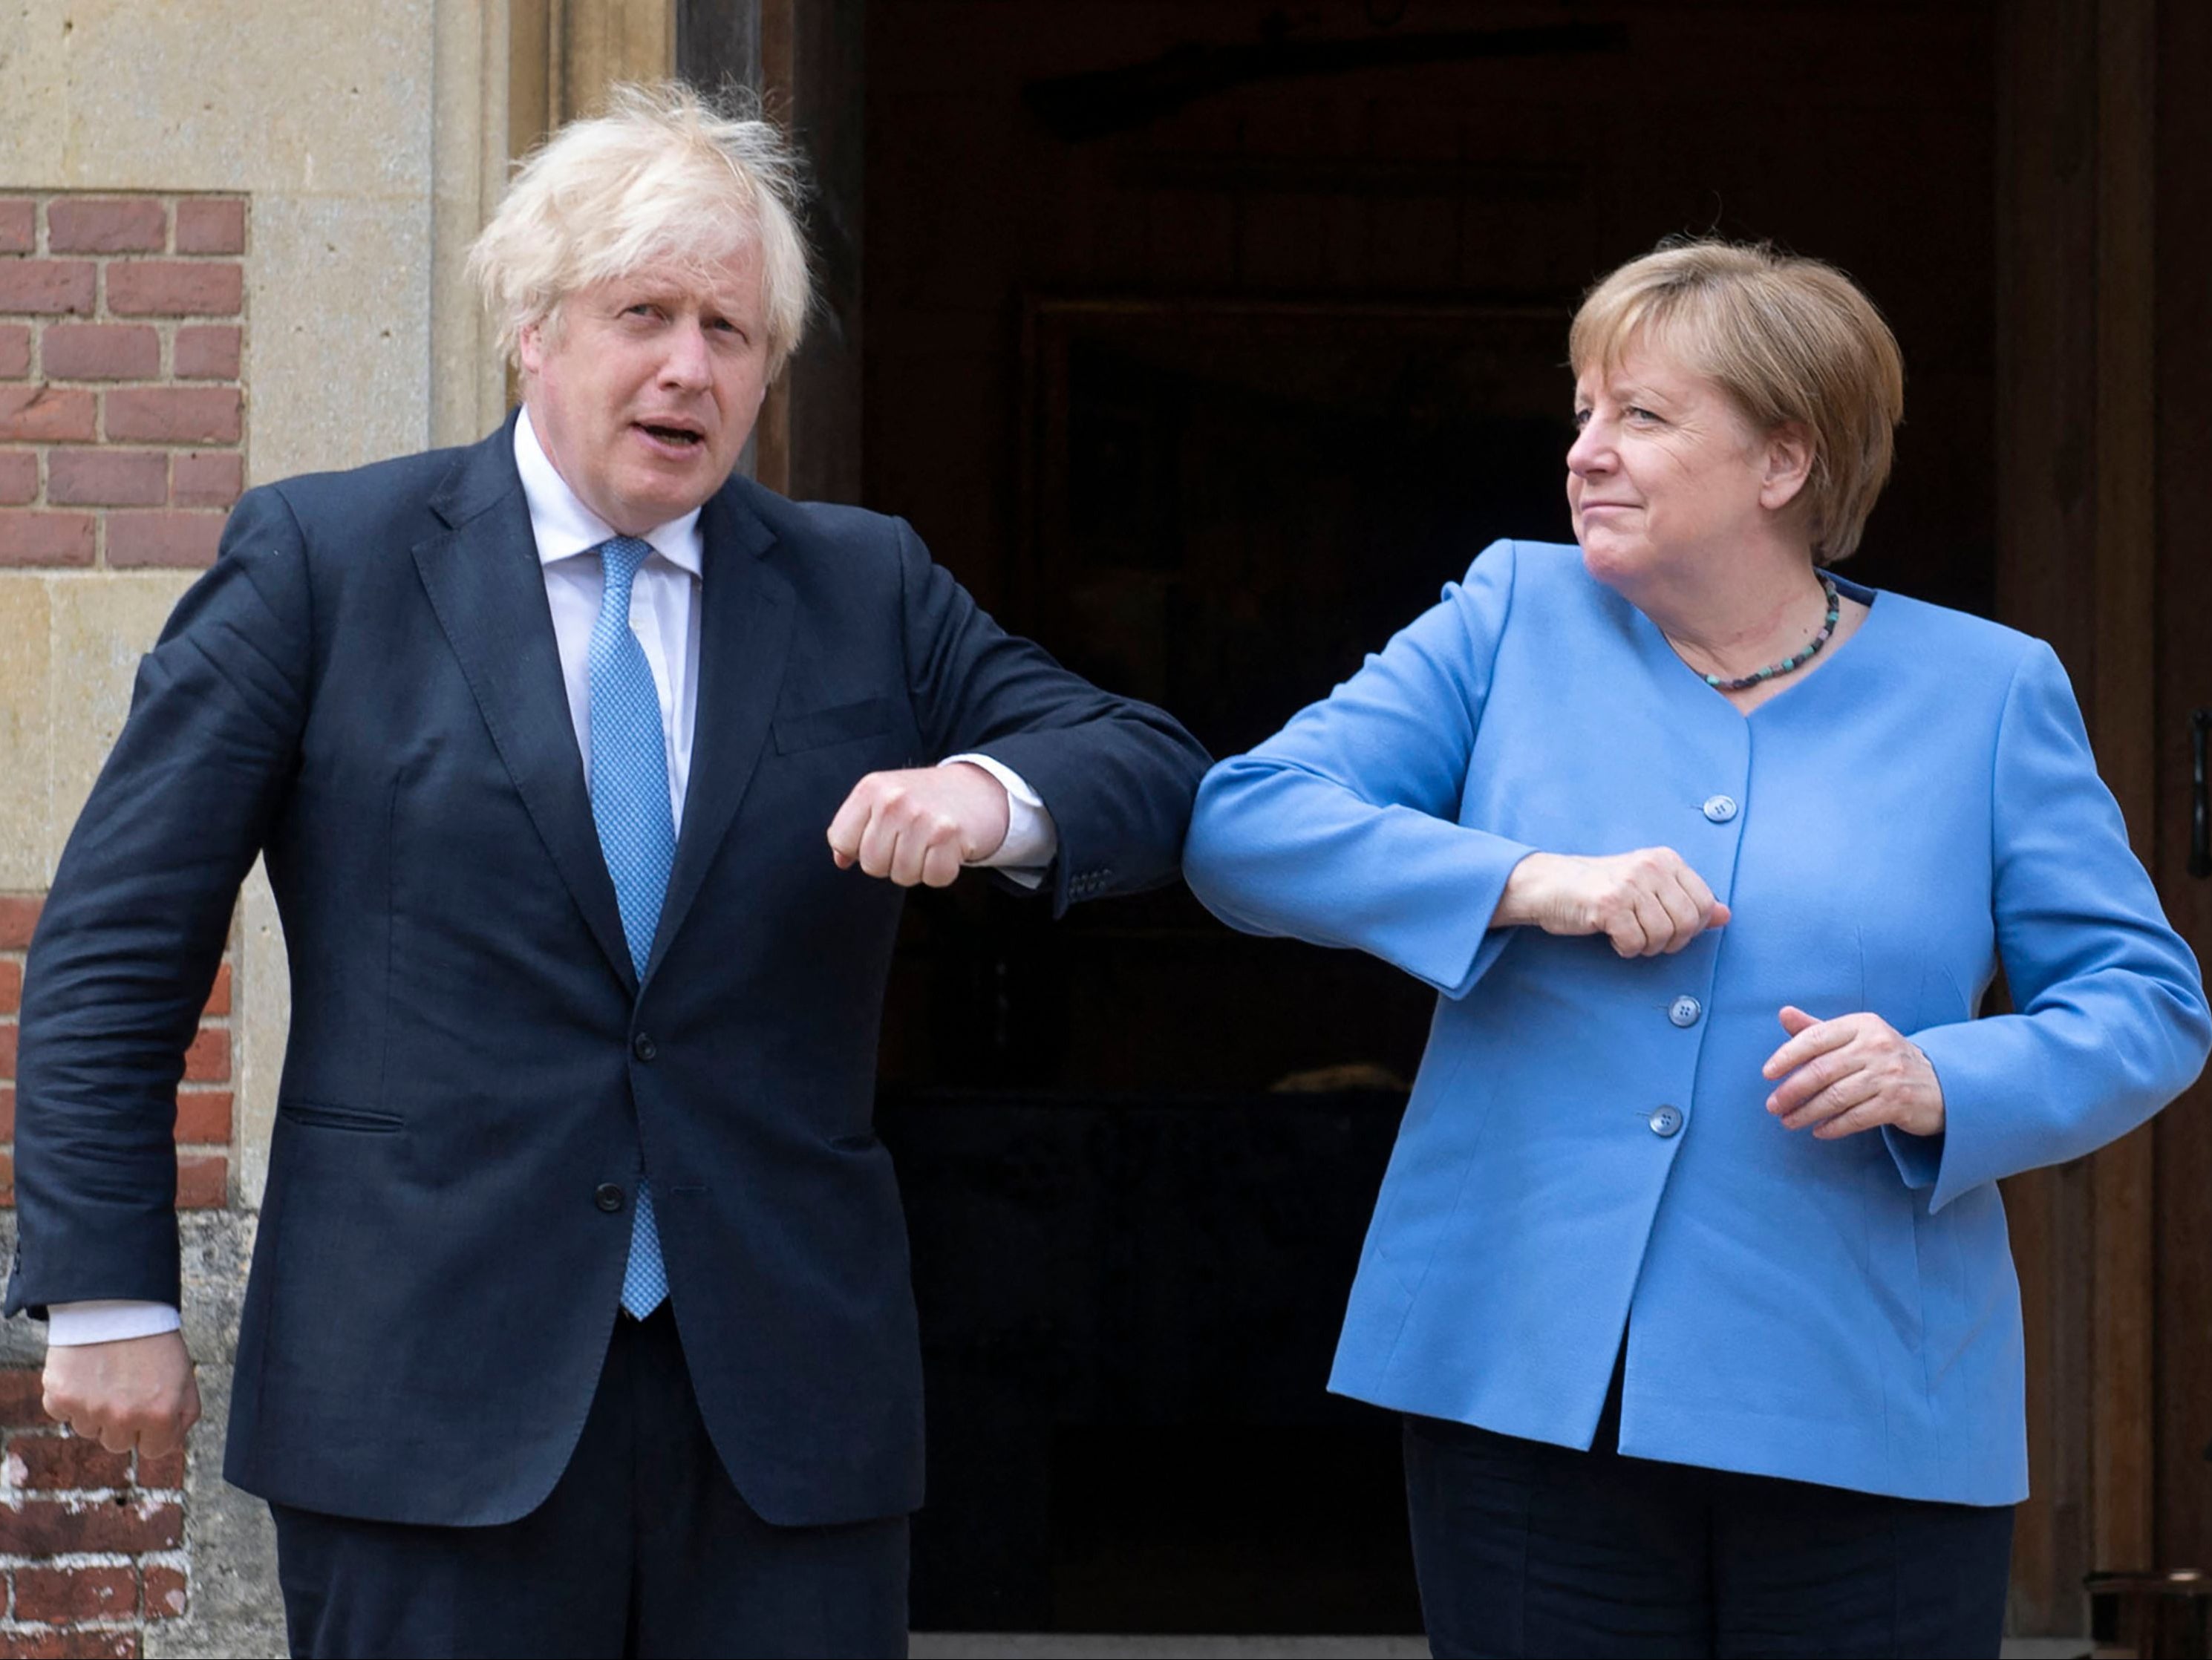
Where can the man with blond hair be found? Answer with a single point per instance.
(579, 1320)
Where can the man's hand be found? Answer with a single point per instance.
(1645, 903)
(920, 825)
(136, 1392)
(1851, 1074)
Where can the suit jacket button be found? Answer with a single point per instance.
(1666, 1122)
(1720, 809)
(1685, 1010)
(608, 1198)
(643, 1047)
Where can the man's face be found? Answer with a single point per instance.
(644, 388)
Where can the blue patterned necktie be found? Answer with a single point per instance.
(637, 830)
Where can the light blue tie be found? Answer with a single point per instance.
(637, 831)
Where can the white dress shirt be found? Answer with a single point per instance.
(664, 613)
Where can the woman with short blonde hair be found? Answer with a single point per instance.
(1689, 1274)
(1788, 340)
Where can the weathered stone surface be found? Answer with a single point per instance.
(247, 94)
(468, 382)
(102, 625)
(344, 377)
(34, 91)
(26, 735)
(264, 1002)
(235, 1607)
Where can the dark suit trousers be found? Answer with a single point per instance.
(1525, 1548)
(643, 1548)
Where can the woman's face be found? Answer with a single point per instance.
(1665, 474)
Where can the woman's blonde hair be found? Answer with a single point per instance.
(665, 174)
(1789, 339)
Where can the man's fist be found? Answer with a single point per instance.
(920, 825)
(136, 1392)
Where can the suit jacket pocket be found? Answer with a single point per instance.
(360, 1120)
(867, 718)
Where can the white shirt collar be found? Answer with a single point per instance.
(564, 527)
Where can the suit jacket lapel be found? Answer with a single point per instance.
(487, 590)
(744, 636)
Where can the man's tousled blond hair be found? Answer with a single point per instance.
(665, 174)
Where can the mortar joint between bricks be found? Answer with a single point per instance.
(77, 1501)
(79, 1559)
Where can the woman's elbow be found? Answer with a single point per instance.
(1205, 846)
(2177, 1021)
(2192, 1025)
(1218, 852)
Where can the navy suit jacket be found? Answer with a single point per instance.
(365, 689)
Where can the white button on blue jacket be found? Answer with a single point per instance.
(1886, 830)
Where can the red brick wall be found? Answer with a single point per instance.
(122, 413)
(122, 431)
(91, 1541)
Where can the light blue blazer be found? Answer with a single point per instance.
(1586, 1147)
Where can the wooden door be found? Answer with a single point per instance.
(2104, 351)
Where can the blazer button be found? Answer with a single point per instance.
(608, 1198)
(1666, 1122)
(1685, 1010)
(1720, 809)
(643, 1047)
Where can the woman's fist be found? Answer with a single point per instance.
(1645, 902)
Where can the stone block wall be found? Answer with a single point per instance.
(122, 405)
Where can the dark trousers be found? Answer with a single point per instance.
(643, 1548)
(1525, 1548)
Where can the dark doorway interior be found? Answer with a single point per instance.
(1210, 374)
(1213, 400)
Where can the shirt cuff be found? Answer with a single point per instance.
(71, 1325)
(1032, 838)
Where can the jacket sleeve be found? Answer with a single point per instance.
(131, 935)
(2110, 1020)
(1342, 829)
(1117, 776)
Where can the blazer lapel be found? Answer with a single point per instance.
(744, 636)
(488, 590)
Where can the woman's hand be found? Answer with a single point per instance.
(1850, 1073)
(1646, 902)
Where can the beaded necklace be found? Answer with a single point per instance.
(1789, 665)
